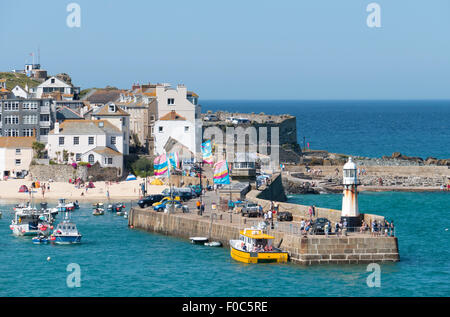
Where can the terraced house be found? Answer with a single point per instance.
(88, 141)
(27, 117)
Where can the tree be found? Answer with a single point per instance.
(38, 149)
(142, 167)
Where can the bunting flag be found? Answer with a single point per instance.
(173, 160)
(160, 165)
(221, 175)
(207, 152)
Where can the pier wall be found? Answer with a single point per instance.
(302, 250)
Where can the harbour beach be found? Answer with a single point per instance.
(125, 190)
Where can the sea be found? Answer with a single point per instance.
(115, 260)
(363, 128)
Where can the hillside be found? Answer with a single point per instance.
(13, 79)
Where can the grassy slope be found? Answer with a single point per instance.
(13, 79)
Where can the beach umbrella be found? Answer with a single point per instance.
(131, 177)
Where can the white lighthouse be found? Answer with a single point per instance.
(350, 211)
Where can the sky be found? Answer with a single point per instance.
(299, 49)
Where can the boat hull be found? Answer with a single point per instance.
(66, 239)
(258, 257)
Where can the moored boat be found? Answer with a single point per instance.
(40, 239)
(30, 222)
(66, 233)
(254, 246)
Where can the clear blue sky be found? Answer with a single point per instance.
(314, 49)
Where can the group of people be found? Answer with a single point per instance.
(379, 228)
(313, 171)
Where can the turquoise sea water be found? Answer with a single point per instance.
(118, 261)
(360, 127)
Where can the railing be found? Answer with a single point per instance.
(44, 123)
(45, 109)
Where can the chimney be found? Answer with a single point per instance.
(56, 127)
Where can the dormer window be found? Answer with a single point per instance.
(52, 80)
(170, 101)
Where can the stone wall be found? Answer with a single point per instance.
(275, 191)
(62, 173)
(302, 250)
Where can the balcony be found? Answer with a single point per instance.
(45, 110)
(44, 123)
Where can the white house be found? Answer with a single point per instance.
(16, 154)
(118, 118)
(174, 126)
(54, 84)
(178, 99)
(20, 92)
(87, 141)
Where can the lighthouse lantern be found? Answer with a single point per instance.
(350, 211)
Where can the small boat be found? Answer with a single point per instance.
(40, 239)
(98, 209)
(125, 215)
(66, 233)
(213, 244)
(98, 212)
(117, 207)
(76, 204)
(254, 246)
(198, 240)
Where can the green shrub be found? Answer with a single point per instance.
(142, 167)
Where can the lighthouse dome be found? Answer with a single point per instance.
(350, 177)
(350, 165)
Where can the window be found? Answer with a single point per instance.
(160, 129)
(91, 140)
(52, 80)
(12, 119)
(44, 131)
(11, 132)
(113, 140)
(45, 117)
(30, 119)
(78, 157)
(76, 140)
(18, 161)
(170, 101)
(110, 160)
(61, 140)
(91, 159)
(18, 151)
(112, 108)
(27, 132)
(186, 129)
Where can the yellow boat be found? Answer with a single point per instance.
(254, 246)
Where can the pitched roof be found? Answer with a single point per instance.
(104, 150)
(91, 127)
(17, 141)
(65, 113)
(104, 111)
(104, 95)
(172, 116)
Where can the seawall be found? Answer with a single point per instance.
(309, 250)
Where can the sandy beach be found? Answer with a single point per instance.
(126, 190)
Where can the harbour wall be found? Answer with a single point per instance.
(309, 250)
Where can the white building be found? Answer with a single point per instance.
(178, 99)
(16, 154)
(88, 141)
(174, 126)
(54, 84)
(20, 92)
(117, 117)
(179, 117)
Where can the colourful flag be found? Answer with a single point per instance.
(207, 152)
(160, 165)
(173, 160)
(221, 175)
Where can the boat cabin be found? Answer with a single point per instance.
(254, 240)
